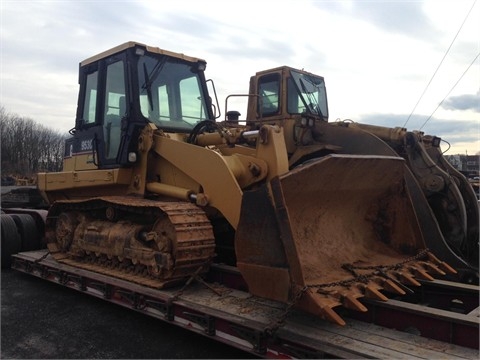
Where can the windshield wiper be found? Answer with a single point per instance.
(312, 105)
(146, 86)
(149, 79)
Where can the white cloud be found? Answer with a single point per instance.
(463, 102)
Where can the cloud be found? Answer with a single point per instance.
(57, 36)
(463, 102)
(190, 25)
(400, 17)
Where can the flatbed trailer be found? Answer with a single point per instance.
(268, 329)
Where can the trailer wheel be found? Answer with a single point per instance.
(27, 228)
(11, 242)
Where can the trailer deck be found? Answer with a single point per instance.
(241, 320)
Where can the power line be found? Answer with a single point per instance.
(453, 87)
(441, 62)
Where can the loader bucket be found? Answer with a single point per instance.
(441, 213)
(343, 227)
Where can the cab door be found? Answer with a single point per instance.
(102, 114)
(114, 117)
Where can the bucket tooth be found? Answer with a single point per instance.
(321, 305)
(441, 264)
(372, 292)
(421, 273)
(407, 278)
(349, 298)
(372, 289)
(350, 302)
(392, 286)
(330, 315)
(447, 268)
(432, 268)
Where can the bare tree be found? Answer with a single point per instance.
(28, 147)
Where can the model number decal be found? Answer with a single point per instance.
(86, 145)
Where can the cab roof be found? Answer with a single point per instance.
(131, 44)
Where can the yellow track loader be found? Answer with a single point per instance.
(154, 189)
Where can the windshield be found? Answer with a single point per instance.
(306, 93)
(170, 93)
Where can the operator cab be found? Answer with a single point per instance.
(295, 100)
(123, 89)
(285, 92)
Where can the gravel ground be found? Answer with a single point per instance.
(42, 320)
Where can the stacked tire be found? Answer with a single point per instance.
(28, 231)
(11, 242)
(19, 232)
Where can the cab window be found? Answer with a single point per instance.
(269, 94)
(115, 108)
(170, 93)
(90, 104)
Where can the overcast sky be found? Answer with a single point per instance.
(377, 57)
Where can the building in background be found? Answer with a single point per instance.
(468, 165)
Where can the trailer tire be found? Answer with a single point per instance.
(27, 228)
(11, 242)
